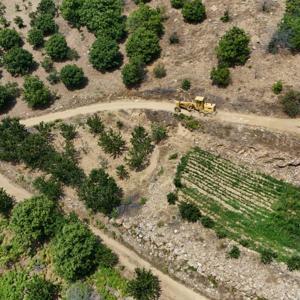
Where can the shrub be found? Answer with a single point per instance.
(34, 221)
(112, 142)
(57, 48)
(37, 288)
(234, 252)
(159, 71)
(226, 17)
(220, 76)
(35, 38)
(159, 132)
(177, 3)
(207, 222)
(145, 286)
(221, 233)
(100, 192)
(75, 251)
(133, 72)
(79, 291)
(277, 87)
(36, 94)
(47, 7)
(105, 54)
(293, 263)
(173, 156)
(193, 11)
(72, 77)
(144, 44)
(95, 123)
(233, 48)
(174, 38)
(186, 84)
(70, 10)
(44, 22)
(6, 203)
(291, 103)
(50, 188)
(147, 18)
(18, 61)
(53, 77)
(267, 255)
(47, 64)
(9, 38)
(172, 198)
(19, 22)
(8, 93)
(189, 212)
(68, 131)
(122, 173)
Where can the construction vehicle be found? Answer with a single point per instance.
(199, 104)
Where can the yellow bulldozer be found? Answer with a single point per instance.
(199, 104)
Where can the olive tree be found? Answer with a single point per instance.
(57, 47)
(72, 77)
(70, 10)
(9, 38)
(133, 72)
(8, 93)
(193, 11)
(35, 38)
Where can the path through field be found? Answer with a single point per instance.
(271, 123)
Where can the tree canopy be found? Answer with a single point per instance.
(57, 47)
(72, 77)
(6, 203)
(9, 38)
(8, 93)
(193, 11)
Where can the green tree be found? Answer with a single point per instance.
(267, 256)
(100, 192)
(193, 11)
(291, 103)
(35, 38)
(277, 87)
(105, 54)
(95, 124)
(145, 286)
(37, 288)
(36, 94)
(133, 73)
(44, 22)
(189, 212)
(220, 76)
(72, 77)
(47, 7)
(177, 3)
(13, 285)
(50, 188)
(234, 252)
(144, 44)
(112, 142)
(159, 132)
(18, 61)
(6, 203)
(75, 251)
(68, 131)
(70, 10)
(140, 149)
(8, 93)
(185, 84)
(34, 221)
(9, 38)
(145, 17)
(172, 198)
(233, 48)
(57, 47)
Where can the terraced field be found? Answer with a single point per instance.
(256, 210)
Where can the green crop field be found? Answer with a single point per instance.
(256, 210)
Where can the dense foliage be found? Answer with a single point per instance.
(133, 72)
(177, 3)
(95, 124)
(104, 54)
(35, 38)
(193, 11)
(189, 212)
(36, 94)
(159, 132)
(46, 7)
(18, 61)
(6, 203)
(57, 47)
(9, 38)
(45, 22)
(50, 188)
(8, 94)
(220, 76)
(291, 103)
(100, 192)
(112, 142)
(72, 77)
(70, 10)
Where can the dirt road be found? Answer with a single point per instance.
(171, 289)
(274, 124)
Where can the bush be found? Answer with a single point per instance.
(75, 251)
(19, 22)
(145, 286)
(37, 288)
(233, 48)
(95, 123)
(8, 93)
(18, 61)
(6, 203)
(35, 38)
(50, 188)
(277, 87)
(177, 3)
(144, 44)
(133, 72)
(122, 172)
(186, 84)
(172, 198)
(267, 256)
(234, 252)
(112, 142)
(174, 38)
(79, 291)
(47, 64)
(220, 76)
(293, 263)
(100, 192)
(70, 10)
(47, 7)
(226, 17)
(159, 132)
(53, 77)
(57, 47)
(159, 71)
(193, 11)
(207, 222)
(221, 233)
(291, 103)
(72, 77)
(68, 131)
(147, 18)
(34, 221)
(36, 94)
(44, 22)
(9, 38)
(105, 54)
(189, 212)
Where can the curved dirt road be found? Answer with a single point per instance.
(273, 124)
(171, 289)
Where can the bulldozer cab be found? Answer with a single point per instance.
(199, 103)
